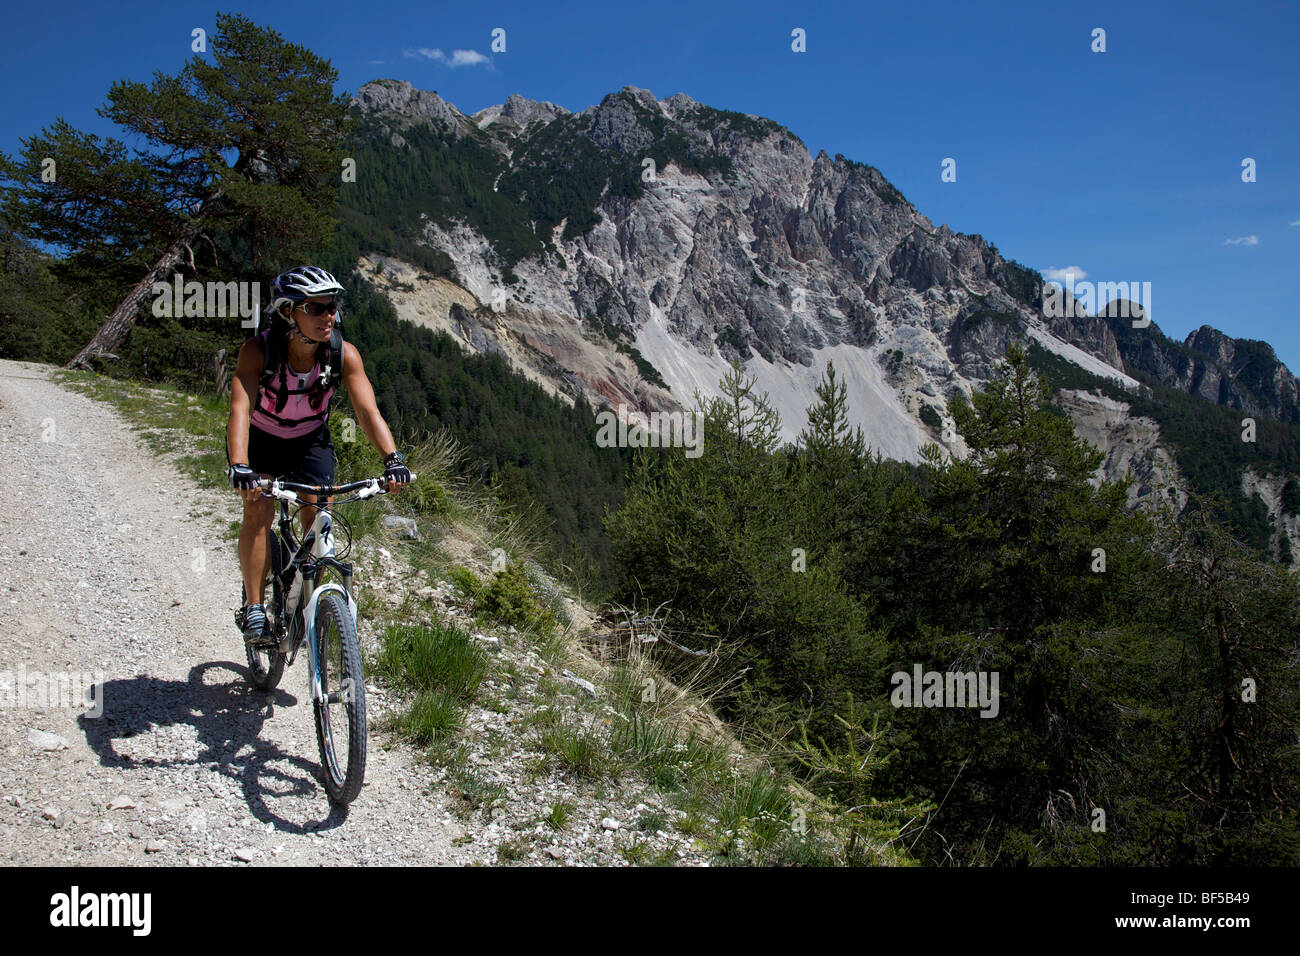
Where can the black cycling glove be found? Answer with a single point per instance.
(243, 477)
(395, 469)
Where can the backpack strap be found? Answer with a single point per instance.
(273, 360)
(331, 358)
(332, 372)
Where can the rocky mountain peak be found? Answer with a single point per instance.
(619, 122)
(1210, 341)
(519, 110)
(677, 104)
(396, 104)
(644, 97)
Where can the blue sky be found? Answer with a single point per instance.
(1124, 164)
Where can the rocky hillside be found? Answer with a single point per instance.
(629, 252)
(1244, 374)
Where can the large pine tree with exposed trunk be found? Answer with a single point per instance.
(247, 146)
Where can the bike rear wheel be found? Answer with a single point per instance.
(265, 665)
(341, 714)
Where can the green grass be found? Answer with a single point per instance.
(636, 851)
(434, 716)
(432, 459)
(477, 793)
(448, 753)
(626, 686)
(755, 808)
(432, 657)
(667, 757)
(653, 741)
(558, 817)
(643, 739)
(442, 666)
(653, 820)
(695, 824)
(580, 752)
(546, 719)
(512, 851)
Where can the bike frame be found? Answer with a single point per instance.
(297, 568)
(312, 556)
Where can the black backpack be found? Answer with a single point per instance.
(328, 354)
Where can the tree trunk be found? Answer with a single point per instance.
(115, 329)
(223, 376)
(1227, 729)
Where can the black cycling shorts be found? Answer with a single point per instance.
(308, 459)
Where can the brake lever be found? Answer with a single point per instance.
(377, 488)
(278, 493)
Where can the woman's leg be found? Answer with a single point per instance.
(317, 468)
(254, 548)
(308, 515)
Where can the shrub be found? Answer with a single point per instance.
(466, 581)
(509, 599)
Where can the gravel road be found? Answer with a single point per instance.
(114, 565)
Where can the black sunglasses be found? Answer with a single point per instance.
(317, 309)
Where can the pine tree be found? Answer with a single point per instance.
(828, 442)
(1003, 567)
(268, 102)
(715, 538)
(1237, 702)
(692, 528)
(833, 466)
(1021, 522)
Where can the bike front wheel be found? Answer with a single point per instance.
(341, 711)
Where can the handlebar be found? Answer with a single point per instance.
(287, 490)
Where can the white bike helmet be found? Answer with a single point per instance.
(299, 283)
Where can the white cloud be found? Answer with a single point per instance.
(376, 62)
(467, 58)
(457, 58)
(1242, 241)
(1294, 222)
(1054, 274)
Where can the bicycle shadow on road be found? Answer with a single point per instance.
(228, 717)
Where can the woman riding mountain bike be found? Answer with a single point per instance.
(279, 416)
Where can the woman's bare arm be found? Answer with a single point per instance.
(362, 395)
(243, 392)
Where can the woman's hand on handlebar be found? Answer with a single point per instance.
(396, 475)
(245, 481)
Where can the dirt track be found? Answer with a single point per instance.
(113, 563)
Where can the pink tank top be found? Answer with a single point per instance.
(298, 417)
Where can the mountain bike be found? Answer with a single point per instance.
(304, 611)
